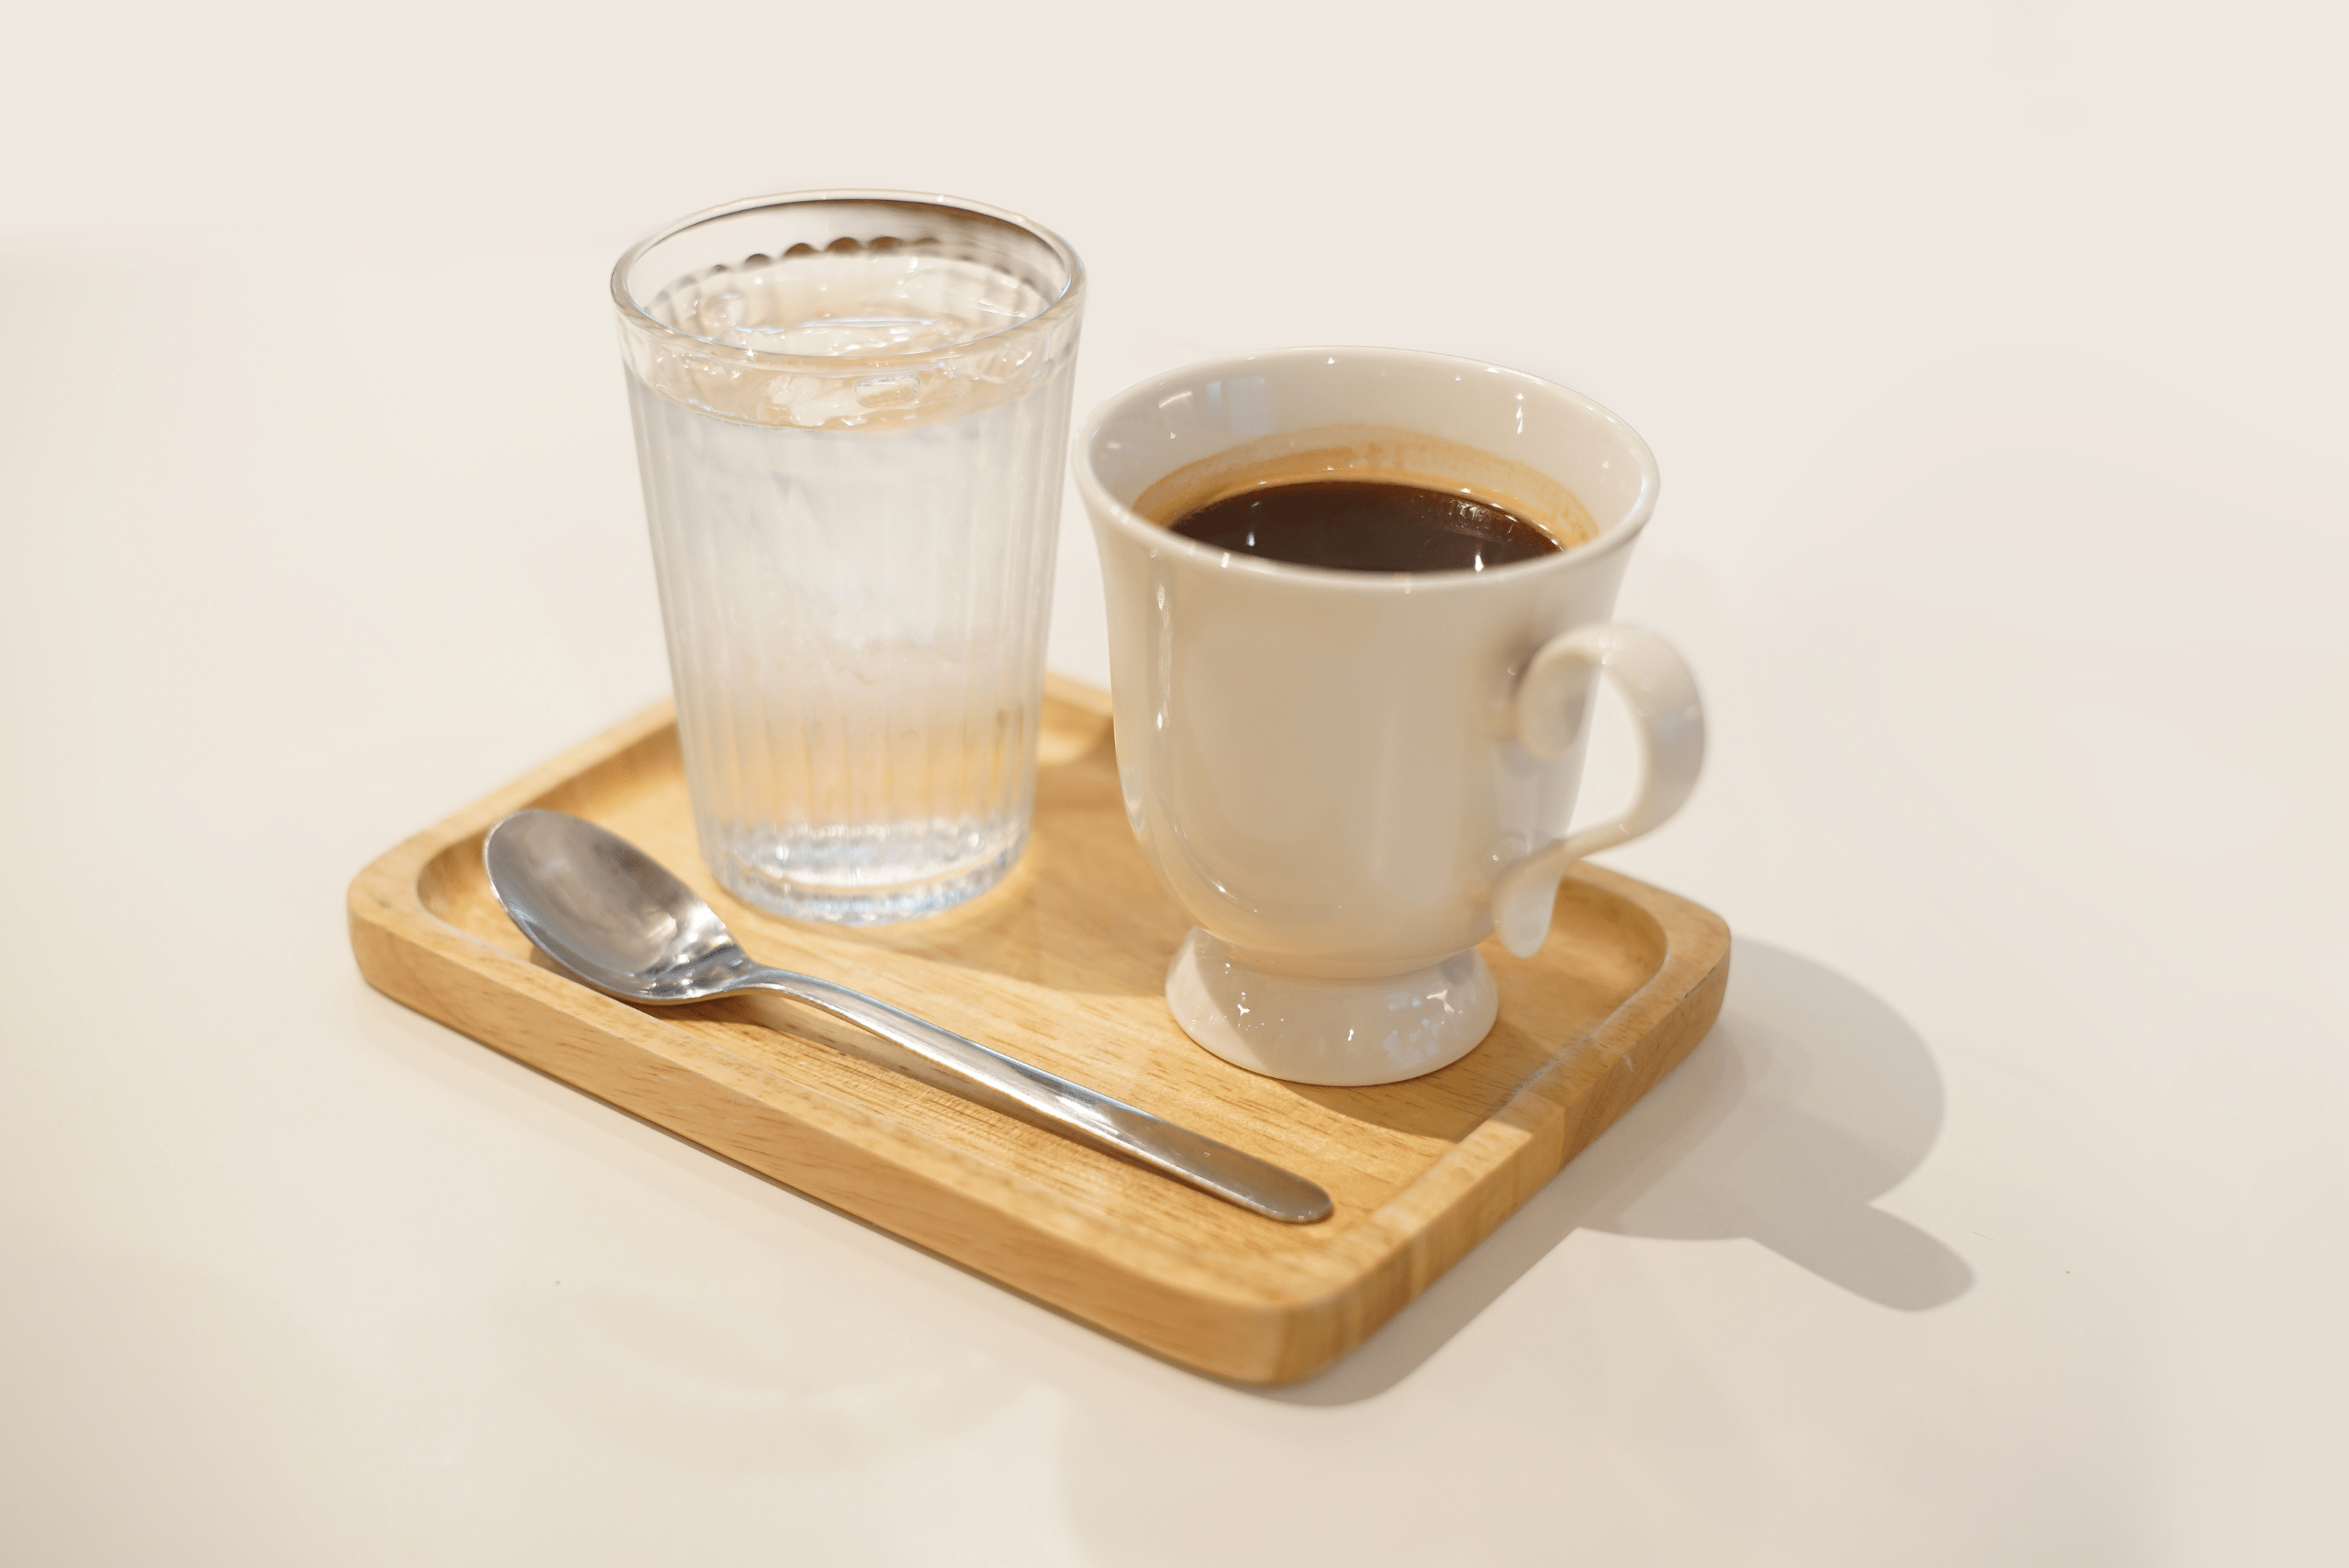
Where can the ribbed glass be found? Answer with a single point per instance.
(849, 413)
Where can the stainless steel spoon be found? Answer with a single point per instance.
(616, 919)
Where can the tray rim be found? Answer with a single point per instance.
(1284, 1318)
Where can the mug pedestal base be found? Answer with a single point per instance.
(1344, 1033)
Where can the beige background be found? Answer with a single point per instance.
(1992, 356)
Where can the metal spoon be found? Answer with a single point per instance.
(618, 921)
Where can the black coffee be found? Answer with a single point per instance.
(1366, 526)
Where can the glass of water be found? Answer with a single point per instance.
(851, 408)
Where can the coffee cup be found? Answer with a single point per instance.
(1348, 779)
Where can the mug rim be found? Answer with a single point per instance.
(1615, 537)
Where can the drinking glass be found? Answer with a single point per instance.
(851, 408)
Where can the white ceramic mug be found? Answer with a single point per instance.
(1349, 778)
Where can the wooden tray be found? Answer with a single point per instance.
(1061, 965)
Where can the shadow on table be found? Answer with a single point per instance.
(1809, 1100)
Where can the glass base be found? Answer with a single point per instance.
(850, 890)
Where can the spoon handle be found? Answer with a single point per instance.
(1070, 1108)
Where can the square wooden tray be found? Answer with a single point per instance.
(1062, 965)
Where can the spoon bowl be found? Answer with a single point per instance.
(609, 913)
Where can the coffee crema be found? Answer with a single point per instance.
(1443, 492)
(1366, 525)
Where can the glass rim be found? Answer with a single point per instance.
(634, 314)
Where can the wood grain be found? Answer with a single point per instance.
(1061, 965)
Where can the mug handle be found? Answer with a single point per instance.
(1549, 706)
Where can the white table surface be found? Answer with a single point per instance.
(1993, 355)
